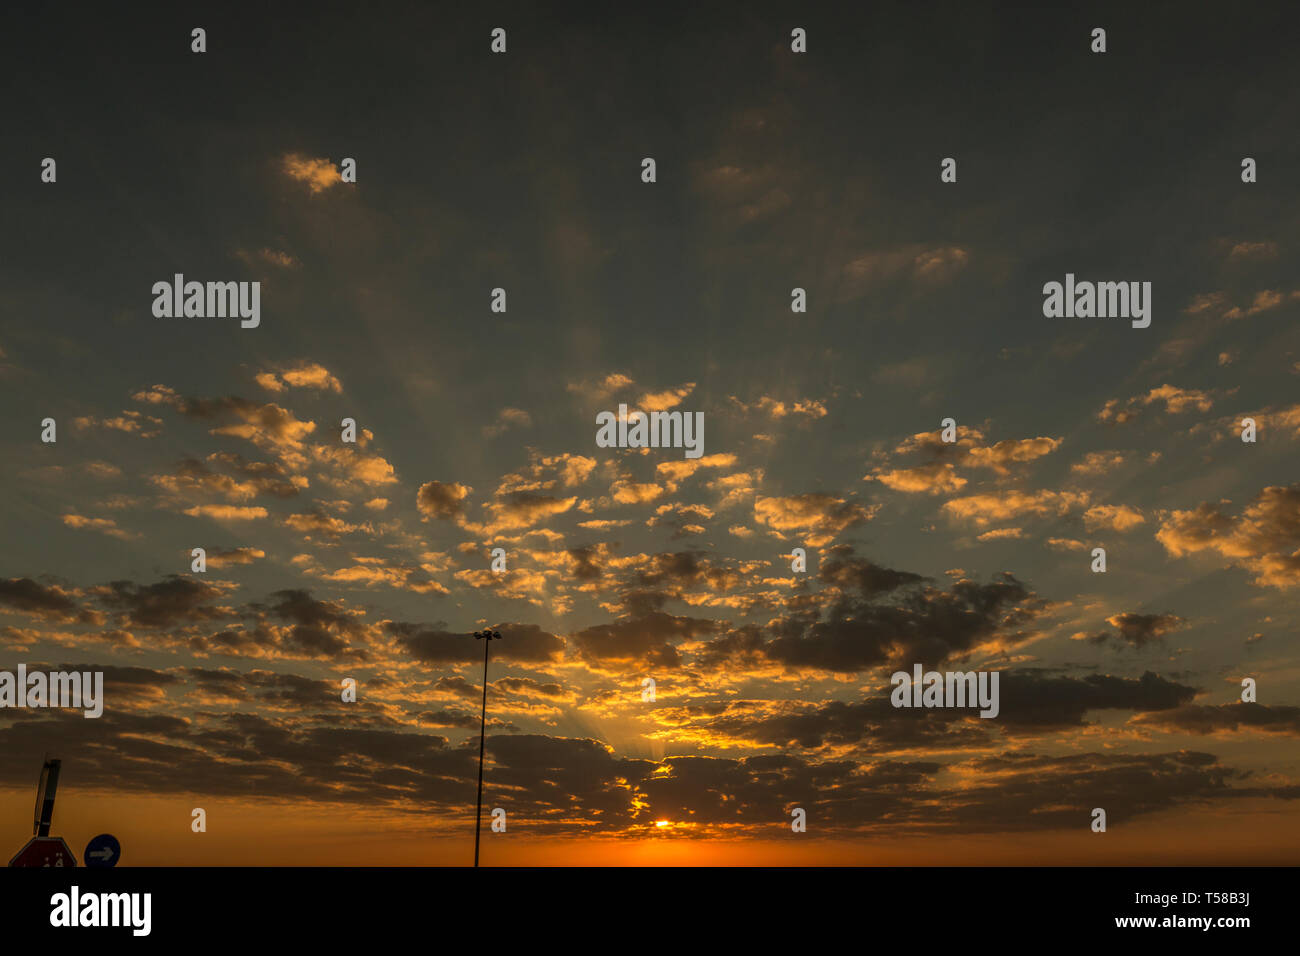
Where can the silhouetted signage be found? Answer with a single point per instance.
(45, 851)
(102, 851)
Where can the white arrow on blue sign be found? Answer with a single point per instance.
(103, 850)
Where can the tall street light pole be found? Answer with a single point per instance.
(487, 637)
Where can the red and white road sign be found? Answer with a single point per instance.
(44, 851)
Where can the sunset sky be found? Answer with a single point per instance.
(477, 430)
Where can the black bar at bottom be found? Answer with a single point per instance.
(647, 909)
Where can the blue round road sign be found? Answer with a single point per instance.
(103, 850)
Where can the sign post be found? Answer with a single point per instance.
(43, 849)
(46, 788)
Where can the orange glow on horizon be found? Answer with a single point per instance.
(155, 831)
